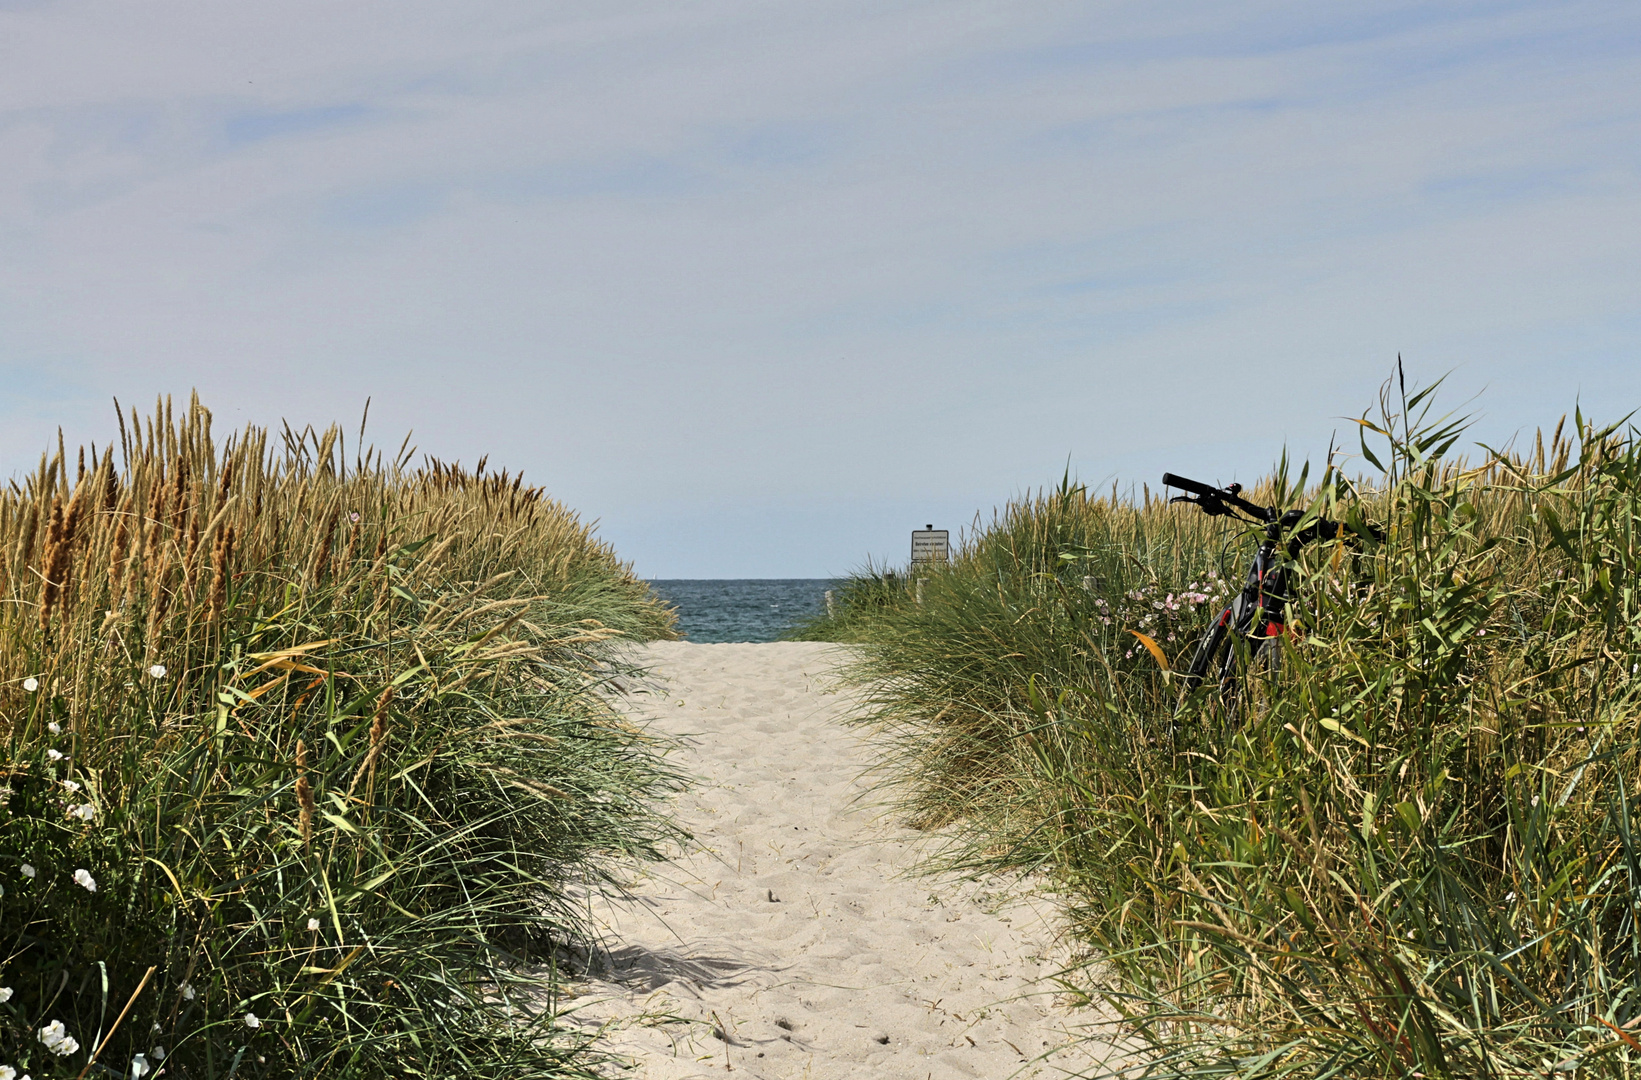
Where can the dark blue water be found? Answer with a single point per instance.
(743, 609)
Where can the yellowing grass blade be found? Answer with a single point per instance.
(282, 658)
(1153, 648)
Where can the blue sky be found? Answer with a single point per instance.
(764, 286)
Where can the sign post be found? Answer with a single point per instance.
(931, 545)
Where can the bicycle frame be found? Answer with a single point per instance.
(1257, 615)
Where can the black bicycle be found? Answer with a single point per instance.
(1255, 617)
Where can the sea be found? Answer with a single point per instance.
(742, 609)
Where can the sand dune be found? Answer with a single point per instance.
(789, 943)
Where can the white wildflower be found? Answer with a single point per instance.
(55, 728)
(1509, 896)
(139, 1067)
(251, 1021)
(85, 811)
(157, 671)
(5, 994)
(84, 880)
(354, 516)
(29, 871)
(7, 1073)
(187, 991)
(313, 924)
(73, 788)
(31, 684)
(159, 1053)
(54, 754)
(57, 1040)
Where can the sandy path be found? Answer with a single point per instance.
(791, 927)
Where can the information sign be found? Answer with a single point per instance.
(930, 544)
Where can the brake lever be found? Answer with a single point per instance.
(1211, 507)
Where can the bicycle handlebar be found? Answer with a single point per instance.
(1170, 480)
(1213, 499)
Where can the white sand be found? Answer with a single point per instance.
(791, 925)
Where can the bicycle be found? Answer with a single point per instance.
(1254, 619)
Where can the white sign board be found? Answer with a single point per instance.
(931, 545)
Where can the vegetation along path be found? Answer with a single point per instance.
(789, 941)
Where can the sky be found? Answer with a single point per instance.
(762, 287)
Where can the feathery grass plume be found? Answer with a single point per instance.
(29, 523)
(225, 483)
(222, 556)
(192, 555)
(110, 482)
(56, 562)
(352, 550)
(193, 534)
(378, 738)
(155, 519)
(159, 599)
(179, 497)
(1405, 851)
(321, 552)
(117, 550)
(60, 541)
(304, 795)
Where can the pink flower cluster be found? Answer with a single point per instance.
(1161, 614)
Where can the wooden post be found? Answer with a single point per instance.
(831, 608)
(919, 591)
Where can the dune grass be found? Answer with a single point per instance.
(305, 760)
(1409, 851)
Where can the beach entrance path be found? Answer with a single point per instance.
(788, 942)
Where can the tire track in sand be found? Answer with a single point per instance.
(790, 927)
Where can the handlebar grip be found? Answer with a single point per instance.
(1195, 488)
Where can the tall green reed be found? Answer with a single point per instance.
(1407, 852)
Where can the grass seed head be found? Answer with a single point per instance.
(304, 795)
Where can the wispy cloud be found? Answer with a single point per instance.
(244, 127)
(662, 252)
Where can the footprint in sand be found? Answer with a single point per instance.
(789, 942)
